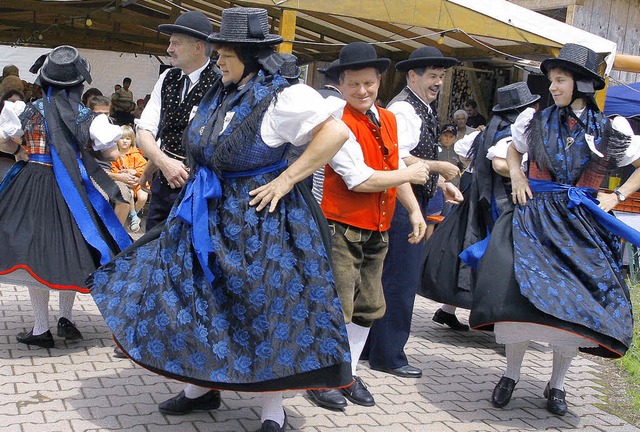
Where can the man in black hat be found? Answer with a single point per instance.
(418, 144)
(175, 96)
(360, 187)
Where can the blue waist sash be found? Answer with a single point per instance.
(577, 196)
(193, 209)
(41, 158)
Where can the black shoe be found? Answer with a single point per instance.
(331, 399)
(272, 426)
(44, 340)
(180, 405)
(406, 371)
(449, 319)
(556, 403)
(68, 330)
(502, 392)
(358, 393)
(117, 353)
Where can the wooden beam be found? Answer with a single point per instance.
(541, 5)
(287, 29)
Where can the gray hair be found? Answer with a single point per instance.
(463, 112)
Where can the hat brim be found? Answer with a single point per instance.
(547, 64)
(381, 64)
(445, 62)
(44, 79)
(497, 108)
(270, 39)
(173, 28)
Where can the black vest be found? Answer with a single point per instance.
(174, 115)
(427, 147)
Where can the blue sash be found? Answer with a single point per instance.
(194, 210)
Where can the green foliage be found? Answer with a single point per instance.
(631, 361)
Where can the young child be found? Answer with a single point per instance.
(132, 162)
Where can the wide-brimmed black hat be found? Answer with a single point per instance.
(581, 61)
(513, 96)
(424, 57)
(358, 55)
(289, 69)
(64, 67)
(192, 23)
(246, 26)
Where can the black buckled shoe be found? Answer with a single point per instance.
(406, 371)
(358, 393)
(181, 405)
(331, 399)
(449, 319)
(273, 426)
(44, 340)
(502, 392)
(556, 403)
(68, 330)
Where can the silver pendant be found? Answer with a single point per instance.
(570, 142)
(201, 130)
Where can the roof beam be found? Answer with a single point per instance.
(542, 5)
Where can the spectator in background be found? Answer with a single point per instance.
(475, 119)
(11, 82)
(89, 94)
(123, 104)
(460, 118)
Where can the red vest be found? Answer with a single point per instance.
(372, 211)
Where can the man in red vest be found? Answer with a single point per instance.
(360, 189)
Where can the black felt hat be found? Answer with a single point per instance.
(424, 57)
(192, 23)
(359, 55)
(246, 26)
(582, 62)
(512, 96)
(64, 67)
(330, 71)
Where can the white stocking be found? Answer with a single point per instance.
(193, 391)
(40, 304)
(272, 408)
(561, 362)
(448, 309)
(515, 355)
(66, 300)
(357, 339)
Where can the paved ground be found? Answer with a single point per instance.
(81, 387)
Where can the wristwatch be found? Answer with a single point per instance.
(621, 196)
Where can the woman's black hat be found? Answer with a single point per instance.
(289, 69)
(64, 67)
(245, 26)
(358, 55)
(192, 23)
(424, 57)
(513, 96)
(582, 62)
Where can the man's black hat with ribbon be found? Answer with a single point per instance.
(359, 55)
(582, 62)
(192, 23)
(426, 56)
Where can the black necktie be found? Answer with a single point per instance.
(373, 118)
(184, 88)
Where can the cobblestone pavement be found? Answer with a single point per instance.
(81, 387)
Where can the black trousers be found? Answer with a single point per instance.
(162, 199)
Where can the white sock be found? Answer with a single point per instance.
(448, 309)
(65, 301)
(40, 304)
(357, 339)
(561, 363)
(272, 408)
(515, 355)
(193, 391)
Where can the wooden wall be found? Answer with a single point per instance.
(616, 20)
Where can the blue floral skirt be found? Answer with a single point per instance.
(550, 264)
(271, 320)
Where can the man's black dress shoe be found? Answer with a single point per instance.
(502, 392)
(68, 330)
(449, 319)
(556, 403)
(180, 405)
(44, 340)
(358, 393)
(331, 399)
(406, 371)
(273, 426)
